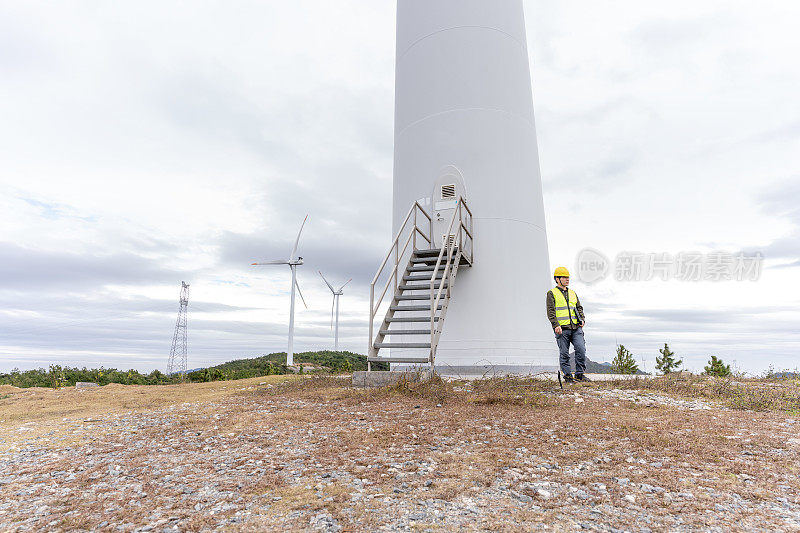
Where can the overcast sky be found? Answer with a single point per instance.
(145, 143)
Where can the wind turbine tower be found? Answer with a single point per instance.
(335, 304)
(465, 154)
(294, 261)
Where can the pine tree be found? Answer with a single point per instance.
(624, 363)
(717, 368)
(667, 363)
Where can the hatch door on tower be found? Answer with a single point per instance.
(448, 188)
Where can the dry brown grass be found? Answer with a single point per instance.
(32, 412)
(496, 392)
(464, 438)
(737, 393)
(41, 404)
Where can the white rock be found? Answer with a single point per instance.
(630, 498)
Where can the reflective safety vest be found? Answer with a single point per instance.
(566, 310)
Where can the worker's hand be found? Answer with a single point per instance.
(583, 323)
(558, 330)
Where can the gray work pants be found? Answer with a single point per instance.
(574, 336)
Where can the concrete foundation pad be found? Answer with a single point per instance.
(382, 378)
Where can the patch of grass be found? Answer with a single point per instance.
(267, 483)
(495, 392)
(76, 522)
(511, 391)
(737, 393)
(44, 410)
(435, 390)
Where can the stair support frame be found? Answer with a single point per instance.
(451, 254)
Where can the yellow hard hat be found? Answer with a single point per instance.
(561, 272)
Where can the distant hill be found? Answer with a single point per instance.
(334, 361)
(275, 363)
(784, 375)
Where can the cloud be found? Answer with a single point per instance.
(24, 268)
(788, 265)
(665, 37)
(339, 259)
(782, 201)
(53, 211)
(179, 150)
(136, 332)
(785, 132)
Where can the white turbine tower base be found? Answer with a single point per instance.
(294, 261)
(463, 101)
(335, 304)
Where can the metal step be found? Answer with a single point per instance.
(403, 297)
(398, 359)
(431, 261)
(385, 332)
(428, 252)
(428, 260)
(421, 277)
(413, 308)
(413, 319)
(425, 268)
(420, 287)
(402, 345)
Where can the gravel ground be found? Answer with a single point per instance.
(329, 458)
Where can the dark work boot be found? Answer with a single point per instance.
(581, 377)
(568, 378)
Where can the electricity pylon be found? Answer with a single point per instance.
(177, 356)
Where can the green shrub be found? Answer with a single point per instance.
(717, 368)
(623, 362)
(667, 363)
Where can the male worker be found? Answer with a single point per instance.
(565, 313)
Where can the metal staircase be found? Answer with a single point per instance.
(414, 318)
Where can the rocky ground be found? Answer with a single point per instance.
(317, 455)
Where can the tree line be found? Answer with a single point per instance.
(58, 376)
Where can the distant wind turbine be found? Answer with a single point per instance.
(294, 261)
(335, 304)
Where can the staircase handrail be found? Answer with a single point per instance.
(455, 249)
(398, 255)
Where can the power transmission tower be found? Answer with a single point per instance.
(177, 356)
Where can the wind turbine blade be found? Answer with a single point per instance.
(294, 250)
(300, 293)
(345, 285)
(326, 282)
(277, 262)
